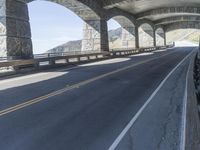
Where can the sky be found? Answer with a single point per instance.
(53, 25)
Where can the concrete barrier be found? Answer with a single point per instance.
(60, 59)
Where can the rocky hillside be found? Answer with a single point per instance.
(114, 35)
(115, 39)
(190, 35)
(67, 47)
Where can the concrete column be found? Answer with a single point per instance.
(15, 34)
(95, 37)
(104, 36)
(136, 38)
(154, 38)
(128, 37)
(165, 40)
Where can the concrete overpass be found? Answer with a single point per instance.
(153, 18)
(141, 98)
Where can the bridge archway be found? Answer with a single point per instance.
(146, 35)
(18, 38)
(182, 31)
(160, 37)
(182, 25)
(50, 32)
(91, 40)
(126, 39)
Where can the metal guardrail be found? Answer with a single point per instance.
(52, 59)
(47, 55)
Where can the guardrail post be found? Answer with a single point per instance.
(37, 65)
(67, 60)
(52, 62)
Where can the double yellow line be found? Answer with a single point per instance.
(67, 88)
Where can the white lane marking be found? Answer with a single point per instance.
(130, 124)
(184, 113)
(183, 118)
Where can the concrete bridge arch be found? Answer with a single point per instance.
(16, 34)
(128, 31)
(160, 36)
(94, 27)
(146, 35)
(182, 25)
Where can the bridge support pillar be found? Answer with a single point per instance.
(128, 37)
(154, 38)
(95, 36)
(15, 34)
(165, 40)
(136, 38)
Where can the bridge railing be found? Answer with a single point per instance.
(47, 55)
(58, 59)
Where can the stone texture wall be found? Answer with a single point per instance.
(15, 34)
(3, 42)
(128, 37)
(15, 29)
(104, 35)
(91, 36)
(160, 37)
(146, 36)
(95, 36)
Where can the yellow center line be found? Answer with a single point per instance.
(68, 87)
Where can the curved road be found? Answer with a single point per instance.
(87, 107)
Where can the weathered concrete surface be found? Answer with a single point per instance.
(128, 37)
(160, 37)
(15, 34)
(146, 36)
(178, 19)
(182, 25)
(91, 36)
(95, 36)
(128, 31)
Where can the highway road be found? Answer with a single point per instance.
(133, 102)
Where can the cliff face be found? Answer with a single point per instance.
(190, 35)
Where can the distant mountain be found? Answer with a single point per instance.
(76, 45)
(67, 47)
(114, 34)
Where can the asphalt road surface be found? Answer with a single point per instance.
(87, 107)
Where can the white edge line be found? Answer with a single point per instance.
(184, 113)
(130, 124)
